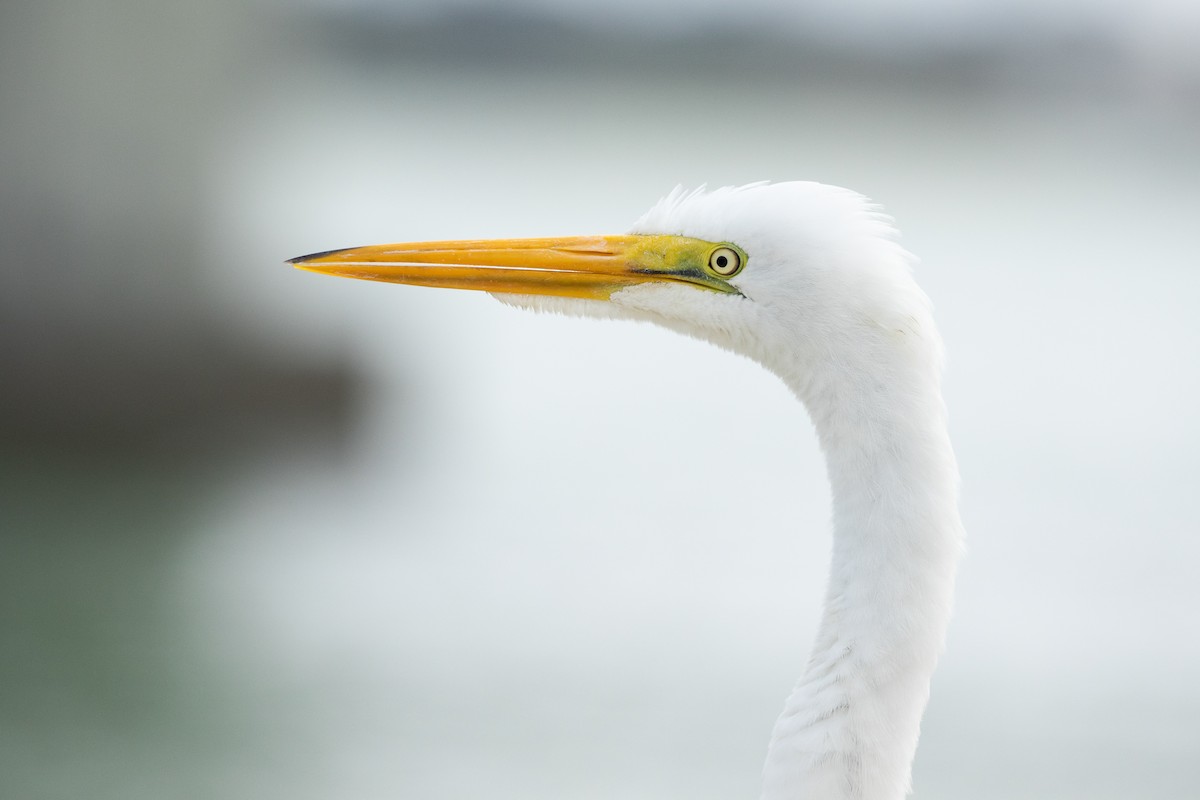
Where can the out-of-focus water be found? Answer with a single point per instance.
(508, 584)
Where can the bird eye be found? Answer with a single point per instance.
(725, 261)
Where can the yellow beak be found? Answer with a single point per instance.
(590, 267)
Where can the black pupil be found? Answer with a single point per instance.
(722, 262)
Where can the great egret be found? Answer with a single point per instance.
(808, 280)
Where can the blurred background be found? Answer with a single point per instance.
(266, 534)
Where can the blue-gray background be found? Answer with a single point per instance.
(266, 534)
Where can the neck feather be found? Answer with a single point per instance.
(849, 729)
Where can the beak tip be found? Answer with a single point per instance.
(300, 260)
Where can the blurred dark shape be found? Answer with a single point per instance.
(182, 388)
(107, 337)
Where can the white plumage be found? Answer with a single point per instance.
(827, 301)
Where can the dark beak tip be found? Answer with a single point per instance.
(316, 256)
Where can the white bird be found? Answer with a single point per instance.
(808, 280)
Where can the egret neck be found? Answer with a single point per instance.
(849, 729)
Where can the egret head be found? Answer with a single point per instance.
(808, 280)
(792, 274)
